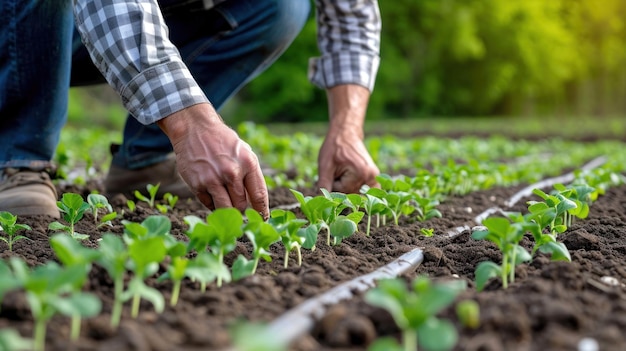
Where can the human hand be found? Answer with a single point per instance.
(219, 167)
(344, 164)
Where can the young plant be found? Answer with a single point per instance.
(506, 236)
(220, 233)
(342, 226)
(318, 211)
(150, 199)
(373, 206)
(73, 254)
(552, 212)
(262, 235)
(206, 268)
(113, 257)
(73, 208)
(426, 208)
(49, 290)
(414, 312)
(97, 202)
(9, 225)
(147, 247)
(580, 194)
(291, 232)
(545, 243)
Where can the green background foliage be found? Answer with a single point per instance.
(457, 58)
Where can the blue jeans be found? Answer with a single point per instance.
(41, 55)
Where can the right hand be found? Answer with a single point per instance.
(219, 167)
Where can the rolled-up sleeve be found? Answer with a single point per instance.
(349, 42)
(128, 42)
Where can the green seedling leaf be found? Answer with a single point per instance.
(341, 228)
(73, 208)
(310, 234)
(385, 344)
(9, 225)
(70, 252)
(113, 257)
(485, 271)
(261, 234)
(437, 334)
(242, 267)
(468, 313)
(255, 337)
(415, 311)
(206, 268)
(11, 340)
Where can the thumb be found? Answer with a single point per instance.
(326, 176)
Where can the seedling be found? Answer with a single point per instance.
(324, 212)
(147, 248)
(131, 205)
(97, 202)
(9, 225)
(373, 206)
(552, 212)
(415, 312)
(176, 271)
(291, 232)
(580, 194)
(150, 199)
(545, 243)
(427, 231)
(220, 232)
(73, 254)
(73, 208)
(506, 236)
(426, 208)
(206, 268)
(468, 313)
(170, 199)
(342, 226)
(49, 290)
(262, 235)
(113, 257)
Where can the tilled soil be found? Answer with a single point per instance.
(551, 305)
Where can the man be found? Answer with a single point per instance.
(174, 63)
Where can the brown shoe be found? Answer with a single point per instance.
(27, 193)
(126, 181)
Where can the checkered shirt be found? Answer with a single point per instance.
(128, 42)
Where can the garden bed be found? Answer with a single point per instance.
(551, 305)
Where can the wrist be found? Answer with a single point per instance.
(182, 122)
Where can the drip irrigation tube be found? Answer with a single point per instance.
(299, 320)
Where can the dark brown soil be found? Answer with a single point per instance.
(551, 305)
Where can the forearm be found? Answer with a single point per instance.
(347, 107)
(128, 42)
(349, 42)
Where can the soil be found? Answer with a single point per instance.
(550, 306)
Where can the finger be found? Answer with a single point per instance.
(237, 194)
(326, 176)
(257, 193)
(206, 200)
(220, 196)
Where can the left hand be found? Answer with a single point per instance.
(344, 164)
